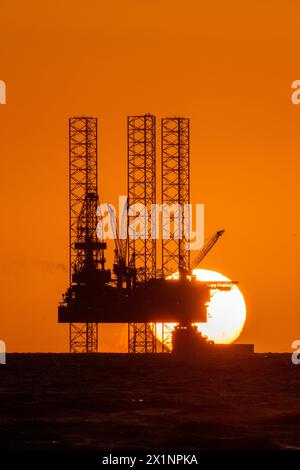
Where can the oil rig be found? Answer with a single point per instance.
(136, 291)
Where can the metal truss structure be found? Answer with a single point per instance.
(175, 167)
(141, 338)
(83, 337)
(85, 250)
(164, 334)
(141, 195)
(175, 147)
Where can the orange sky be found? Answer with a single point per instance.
(226, 65)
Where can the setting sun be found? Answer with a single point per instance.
(226, 312)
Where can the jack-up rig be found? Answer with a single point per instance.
(135, 292)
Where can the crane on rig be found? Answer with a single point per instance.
(120, 268)
(208, 245)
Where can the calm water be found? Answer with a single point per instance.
(115, 401)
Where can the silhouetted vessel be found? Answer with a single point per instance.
(186, 339)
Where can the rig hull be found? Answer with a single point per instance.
(157, 301)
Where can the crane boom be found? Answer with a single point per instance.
(208, 245)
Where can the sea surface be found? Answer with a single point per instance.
(116, 401)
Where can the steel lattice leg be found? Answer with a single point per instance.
(83, 337)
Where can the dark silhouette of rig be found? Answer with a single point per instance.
(135, 291)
